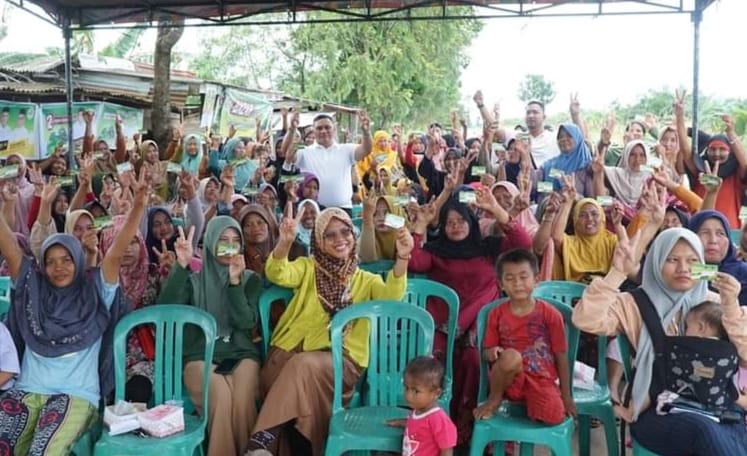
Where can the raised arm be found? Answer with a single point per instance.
(545, 231)
(597, 168)
(485, 200)
(112, 259)
(289, 140)
(569, 197)
(736, 145)
(120, 152)
(84, 185)
(366, 146)
(10, 249)
(576, 117)
(685, 162)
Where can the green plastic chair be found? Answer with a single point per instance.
(5, 287)
(418, 292)
(589, 403)
(735, 236)
(357, 211)
(358, 224)
(268, 296)
(510, 423)
(169, 321)
(380, 267)
(397, 334)
(626, 349)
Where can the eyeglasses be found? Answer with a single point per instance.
(342, 233)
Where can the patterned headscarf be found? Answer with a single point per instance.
(333, 276)
(134, 278)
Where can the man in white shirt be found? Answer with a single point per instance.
(328, 160)
(544, 143)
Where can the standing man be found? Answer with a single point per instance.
(327, 159)
(544, 143)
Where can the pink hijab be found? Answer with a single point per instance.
(133, 279)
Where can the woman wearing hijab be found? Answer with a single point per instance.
(575, 158)
(25, 192)
(160, 237)
(191, 154)
(154, 168)
(297, 376)
(667, 281)
(310, 211)
(260, 232)
(713, 230)
(62, 321)
(226, 290)
(461, 259)
(378, 240)
(627, 179)
(381, 154)
(309, 188)
(233, 151)
(140, 281)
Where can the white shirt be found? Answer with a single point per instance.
(332, 166)
(544, 147)
(19, 133)
(8, 357)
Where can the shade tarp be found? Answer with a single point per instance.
(97, 13)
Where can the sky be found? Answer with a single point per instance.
(603, 58)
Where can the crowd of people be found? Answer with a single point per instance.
(212, 222)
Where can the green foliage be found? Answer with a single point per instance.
(124, 44)
(399, 71)
(536, 87)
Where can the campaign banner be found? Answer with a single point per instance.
(132, 122)
(54, 125)
(242, 109)
(18, 129)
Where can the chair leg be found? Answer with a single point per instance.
(526, 449)
(610, 431)
(477, 445)
(562, 447)
(584, 435)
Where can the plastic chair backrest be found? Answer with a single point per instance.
(417, 293)
(268, 296)
(380, 267)
(397, 334)
(4, 296)
(736, 236)
(169, 321)
(358, 223)
(572, 335)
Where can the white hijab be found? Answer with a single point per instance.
(627, 184)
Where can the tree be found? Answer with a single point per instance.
(398, 71)
(535, 87)
(124, 44)
(169, 33)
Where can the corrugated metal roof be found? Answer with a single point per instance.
(32, 65)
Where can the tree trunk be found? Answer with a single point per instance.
(169, 33)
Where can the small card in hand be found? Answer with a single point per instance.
(700, 271)
(124, 167)
(102, 222)
(64, 181)
(401, 200)
(604, 200)
(9, 172)
(467, 197)
(544, 187)
(250, 191)
(478, 170)
(394, 221)
(556, 173)
(708, 179)
(224, 249)
(174, 168)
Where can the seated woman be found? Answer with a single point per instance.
(297, 378)
(626, 180)
(461, 259)
(260, 232)
(377, 239)
(62, 321)
(226, 290)
(574, 159)
(306, 225)
(667, 281)
(712, 228)
(161, 235)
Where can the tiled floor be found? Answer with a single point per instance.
(598, 445)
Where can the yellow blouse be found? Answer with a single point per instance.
(305, 320)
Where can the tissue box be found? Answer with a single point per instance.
(122, 417)
(163, 420)
(583, 376)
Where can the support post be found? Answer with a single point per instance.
(67, 34)
(697, 18)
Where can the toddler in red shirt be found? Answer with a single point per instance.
(428, 429)
(526, 346)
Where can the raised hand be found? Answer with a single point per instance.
(141, 189)
(166, 258)
(679, 103)
(569, 187)
(485, 200)
(289, 224)
(36, 178)
(728, 288)
(291, 191)
(654, 203)
(713, 182)
(365, 122)
(728, 124)
(188, 183)
(231, 130)
(552, 207)
(236, 269)
(404, 243)
(295, 119)
(369, 206)
(88, 116)
(226, 175)
(616, 215)
(183, 247)
(478, 99)
(624, 258)
(597, 164)
(575, 106)
(427, 214)
(90, 242)
(49, 192)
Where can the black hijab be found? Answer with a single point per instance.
(472, 246)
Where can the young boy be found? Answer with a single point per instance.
(9, 366)
(526, 346)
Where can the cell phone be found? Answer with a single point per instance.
(226, 366)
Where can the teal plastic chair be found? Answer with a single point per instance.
(380, 267)
(357, 211)
(268, 296)
(418, 292)
(735, 236)
(397, 334)
(169, 321)
(358, 224)
(4, 296)
(589, 403)
(510, 422)
(626, 349)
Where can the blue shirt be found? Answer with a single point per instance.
(75, 374)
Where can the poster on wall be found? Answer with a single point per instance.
(242, 110)
(18, 129)
(132, 122)
(54, 125)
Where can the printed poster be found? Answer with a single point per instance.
(132, 122)
(18, 129)
(54, 125)
(242, 110)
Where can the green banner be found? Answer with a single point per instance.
(18, 129)
(242, 109)
(54, 125)
(132, 122)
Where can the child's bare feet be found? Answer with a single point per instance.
(487, 409)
